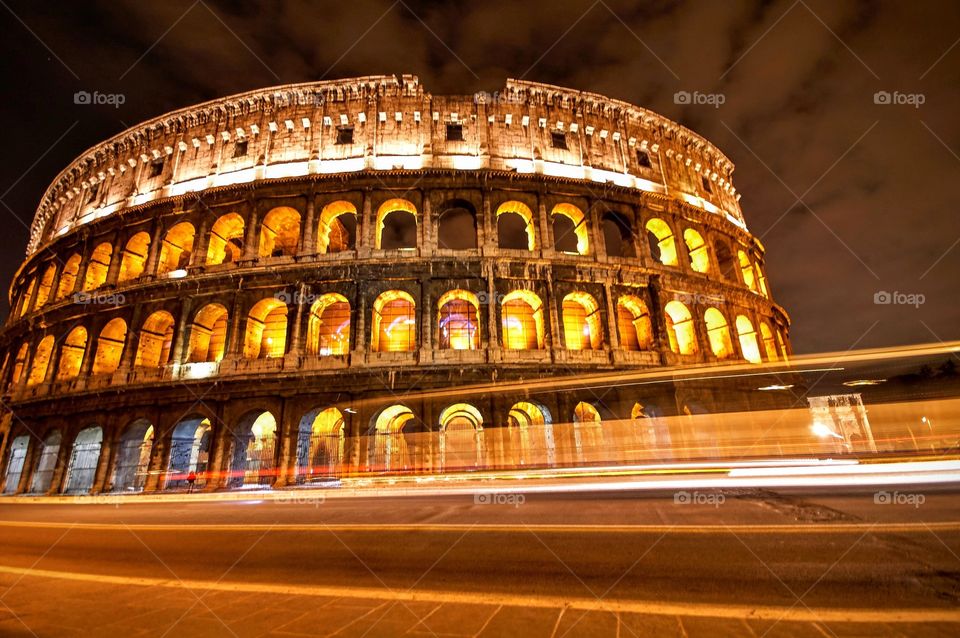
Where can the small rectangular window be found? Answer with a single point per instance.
(240, 148)
(454, 132)
(558, 139)
(706, 184)
(156, 167)
(344, 135)
(643, 159)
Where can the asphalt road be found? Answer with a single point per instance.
(746, 562)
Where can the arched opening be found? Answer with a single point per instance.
(459, 320)
(189, 453)
(697, 250)
(457, 226)
(718, 333)
(728, 267)
(208, 334)
(570, 230)
(133, 457)
(320, 445)
(746, 269)
(396, 225)
(587, 432)
(461, 437)
(390, 450)
(266, 332)
(133, 258)
(680, 329)
(19, 363)
(44, 285)
(68, 278)
(253, 452)
(663, 247)
(617, 235)
(653, 431)
(280, 233)
(522, 317)
(84, 456)
(98, 266)
(782, 344)
(748, 339)
(581, 322)
(110, 347)
(328, 330)
(769, 344)
(394, 327)
(18, 456)
(226, 240)
(42, 479)
(156, 339)
(176, 248)
(761, 280)
(27, 296)
(71, 354)
(530, 428)
(634, 324)
(41, 359)
(515, 226)
(337, 231)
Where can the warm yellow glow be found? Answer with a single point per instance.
(634, 324)
(748, 340)
(156, 337)
(697, 249)
(176, 248)
(392, 419)
(19, 364)
(208, 334)
(328, 422)
(27, 296)
(110, 347)
(585, 413)
(458, 320)
(581, 322)
(264, 429)
(394, 327)
(769, 345)
(266, 333)
(522, 315)
(41, 359)
(98, 266)
(332, 235)
(68, 278)
(521, 209)
(388, 207)
(761, 280)
(747, 269)
(680, 329)
(579, 221)
(718, 333)
(524, 414)
(71, 353)
(280, 232)
(44, 285)
(328, 330)
(133, 257)
(460, 413)
(226, 240)
(663, 240)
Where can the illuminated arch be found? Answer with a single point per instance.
(525, 414)
(97, 267)
(530, 428)
(156, 339)
(577, 226)
(461, 436)
(71, 353)
(582, 329)
(718, 333)
(769, 344)
(280, 232)
(728, 267)
(458, 320)
(761, 280)
(176, 248)
(84, 458)
(208, 334)
(266, 330)
(44, 285)
(460, 411)
(328, 329)
(320, 444)
(15, 462)
(226, 240)
(634, 324)
(27, 296)
(68, 277)
(41, 360)
(586, 413)
(189, 452)
(663, 246)
(697, 249)
(133, 457)
(337, 230)
(522, 317)
(748, 339)
(19, 363)
(133, 258)
(392, 419)
(110, 346)
(394, 326)
(746, 268)
(508, 224)
(254, 453)
(680, 329)
(393, 230)
(42, 478)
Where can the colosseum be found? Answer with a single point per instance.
(306, 281)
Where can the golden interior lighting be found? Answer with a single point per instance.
(522, 313)
(328, 330)
(208, 334)
(110, 346)
(718, 333)
(133, 257)
(461, 431)
(769, 345)
(585, 413)
(280, 233)
(577, 226)
(634, 324)
(458, 320)
(41, 359)
(71, 353)
(97, 268)
(334, 231)
(19, 363)
(328, 422)
(662, 242)
(748, 339)
(226, 240)
(524, 414)
(504, 213)
(156, 337)
(44, 285)
(266, 333)
(389, 217)
(176, 248)
(680, 330)
(68, 278)
(394, 327)
(581, 322)
(392, 419)
(697, 249)
(27, 296)
(746, 268)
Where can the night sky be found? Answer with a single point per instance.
(849, 197)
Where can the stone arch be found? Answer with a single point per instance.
(522, 318)
(176, 249)
(458, 320)
(68, 277)
(27, 296)
(189, 460)
(72, 351)
(396, 227)
(280, 232)
(530, 431)
(46, 465)
(728, 267)
(320, 443)
(582, 327)
(133, 257)
(515, 227)
(337, 230)
(570, 230)
(133, 457)
(588, 432)
(20, 363)
(634, 324)
(617, 231)
(17, 457)
(663, 245)
(44, 286)
(110, 343)
(718, 333)
(749, 346)
(84, 458)
(746, 269)
(41, 360)
(98, 266)
(394, 325)
(390, 450)
(328, 329)
(225, 244)
(681, 332)
(461, 437)
(208, 334)
(457, 225)
(697, 251)
(769, 344)
(266, 330)
(155, 341)
(254, 449)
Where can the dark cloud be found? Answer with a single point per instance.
(799, 117)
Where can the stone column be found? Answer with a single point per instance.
(153, 254)
(113, 271)
(309, 227)
(614, 340)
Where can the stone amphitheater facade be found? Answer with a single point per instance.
(249, 289)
